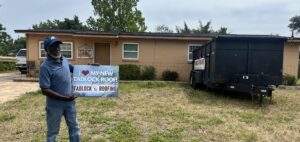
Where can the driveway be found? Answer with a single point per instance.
(11, 90)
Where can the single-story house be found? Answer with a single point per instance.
(164, 51)
(291, 56)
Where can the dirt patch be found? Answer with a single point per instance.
(11, 90)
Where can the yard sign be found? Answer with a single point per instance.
(95, 81)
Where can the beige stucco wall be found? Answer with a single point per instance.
(33, 47)
(162, 54)
(291, 58)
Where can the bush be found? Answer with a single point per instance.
(129, 72)
(289, 80)
(7, 66)
(148, 73)
(169, 75)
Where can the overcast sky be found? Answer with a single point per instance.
(240, 16)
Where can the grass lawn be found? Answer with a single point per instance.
(158, 111)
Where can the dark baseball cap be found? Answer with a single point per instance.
(51, 41)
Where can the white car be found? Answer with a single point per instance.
(21, 60)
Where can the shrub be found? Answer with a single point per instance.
(148, 73)
(7, 66)
(169, 75)
(129, 72)
(289, 80)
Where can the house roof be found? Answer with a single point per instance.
(241, 36)
(141, 35)
(294, 39)
(146, 35)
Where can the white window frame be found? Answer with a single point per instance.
(123, 51)
(40, 51)
(90, 48)
(40, 55)
(188, 51)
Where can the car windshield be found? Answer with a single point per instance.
(22, 53)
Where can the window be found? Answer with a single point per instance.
(131, 51)
(42, 52)
(66, 50)
(190, 51)
(85, 52)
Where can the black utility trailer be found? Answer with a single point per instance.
(243, 63)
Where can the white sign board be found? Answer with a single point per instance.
(199, 64)
(95, 81)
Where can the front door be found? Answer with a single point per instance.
(102, 53)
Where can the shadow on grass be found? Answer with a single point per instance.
(217, 97)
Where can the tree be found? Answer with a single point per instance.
(19, 43)
(222, 31)
(66, 24)
(294, 24)
(6, 42)
(202, 29)
(117, 16)
(184, 30)
(163, 29)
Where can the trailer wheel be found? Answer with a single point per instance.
(261, 98)
(270, 95)
(193, 83)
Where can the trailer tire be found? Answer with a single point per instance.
(193, 83)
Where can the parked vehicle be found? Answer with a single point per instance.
(242, 63)
(21, 61)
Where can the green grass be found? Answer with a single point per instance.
(298, 82)
(167, 136)
(160, 112)
(6, 117)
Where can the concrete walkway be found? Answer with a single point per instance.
(10, 90)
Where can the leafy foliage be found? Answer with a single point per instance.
(163, 29)
(201, 29)
(66, 24)
(117, 16)
(148, 73)
(289, 80)
(295, 24)
(129, 72)
(170, 75)
(184, 30)
(222, 31)
(6, 42)
(204, 29)
(8, 46)
(136, 72)
(7, 66)
(19, 43)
